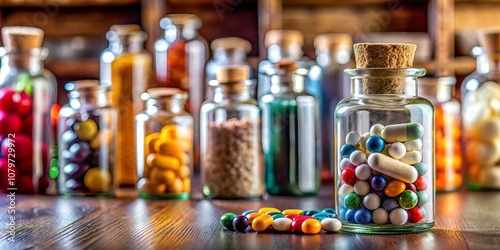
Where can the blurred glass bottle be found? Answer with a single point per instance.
(180, 62)
(226, 51)
(126, 66)
(333, 52)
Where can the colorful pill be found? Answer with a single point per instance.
(240, 223)
(421, 168)
(362, 216)
(413, 145)
(297, 223)
(394, 188)
(371, 201)
(331, 225)
(375, 144)
(323, 214)
(162, 176)
(248, 212)
(353, 138)
(226, 220)
(393, 168)
(149, 143)
(423, 198)
(292, 211)
(398, 216)
(86, 130)
(345, 189)
(273, 213)
(421, 183)
(390, 204)
(311, 226)
(402, 132)
(349, 177)
(312, 212)
(262, 223)
(264, 210)
(397, 150)
(98, 180)
(163, 161)
(407, 199)
(252, 216)
(282, 224)
(412, 157)
(361, 188)
(352, 201)
(363, 172)
(279, 215)
(363, 140)
(165, 147)
(415, 215)
(357, 157)
(346, 150)
(380, 216)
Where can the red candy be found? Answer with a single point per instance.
(9, 100)
(9, 123)
(297, 223)
(291, 216)
(23, 147)
(349, 177)
(415, 215)
(410, 186)
(421, 183)
(24, 105)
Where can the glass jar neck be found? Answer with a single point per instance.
(168, 104)
(488, 63)
(24, 61)
(95, 98)
(233, 55)
(277, 52)
(237, 92)
(120, 46)
(383, 81)
(287, 83)
(178, 31)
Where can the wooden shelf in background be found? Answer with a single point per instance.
(322, 3)
(66, 3)
(72, 68)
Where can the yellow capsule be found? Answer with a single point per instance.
(187, 185)
(182, 156)
(149, 143)
(252, 216)
(183, 171)
(262, 223)
(168, 132)
(162, 176)
(311, 226)
(291, 211)
(264, 210)
(151, 188)
(172, 146)
(177, 187)
(162, 161)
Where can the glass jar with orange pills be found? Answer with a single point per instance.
(164, 136)
(449, 167)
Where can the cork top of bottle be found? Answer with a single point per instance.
(161, 92)
(233, 74)
(286, 65)
(330, 41)
(283, 37)
(132, 32)
(16, 38)
(231, 43)
(490, 40)
(384, 55)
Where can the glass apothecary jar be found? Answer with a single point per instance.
(384, 151)
(28, 153)
(448, 151)
(231, 151)
(126, 66)
(87, 141)
(164, 136)
(289, 134)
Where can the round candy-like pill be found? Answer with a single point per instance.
(398, 216)
(376, 129)
(380, 216)
(397, 150)
(362, 216)
(412, 157)
(402, 132)
(297, 223)
(421, 183)
(252, 216)
(378, 182)
(361, 188)
(80, 151)
(9, 123)
(69, 137)
(421, 168)
(375, 144)
(240, 223)
(98, 180)
(226, 220)
(394, 188)
(363, 172)
(392, 167)
(262, 223)
(352, 201)
(86, 130)
(415, 215)
(364, 138)
(282, 224)
(357, 157)
(413, 145)
(407, 199)
(331, 225)
(9, 99)
(353, 138)
(24, 106)
(349, 215)
(390, 204)
(345, 189)
(487, 152)
(292, 211)
(346, 150)
(410, 186)
(349, 177)
(264, 210)
(345, 164)
(311, 226)
(371, 201)
(423, 198)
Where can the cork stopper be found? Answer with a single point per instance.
(233, 74)
(384, 56)
(161, 92)
(21, 38)
(333, 41)
(231, 43)
(283, 37)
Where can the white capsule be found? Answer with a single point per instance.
(345, 190)
(412, 157)
(331, 225)
(371, 201)
(363, 172)
(364, 138)
(361, 188)
(380, 216)
(397, 150)
(282, 224)
(402, 132)
(476, 113)
(345, 164)
(353, 138)
(357, 157)
(376, 129)
(393, 168)
(413, 145)
(398, 216)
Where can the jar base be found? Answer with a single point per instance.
(386, 229)
(181, 196)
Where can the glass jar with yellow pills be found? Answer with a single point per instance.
(164, 137)
(87, 144)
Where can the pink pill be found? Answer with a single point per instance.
(9, 100)
(23, 147)
(9, 123)
(24, 105)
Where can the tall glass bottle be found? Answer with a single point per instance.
(180, 61)
(226, 51)
(231, 151)
(28, 155)
(333, 52)
(289, 134)
(126, 66)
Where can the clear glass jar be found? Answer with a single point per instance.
(87, 141)
(333, 52)
(28, 155)
(164, 135)
(126, 66)
(384, 146)
(180, 61)
(231, 150)
(289, 134)
(448, 154)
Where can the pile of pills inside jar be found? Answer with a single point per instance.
(382, 176)
(289, 220)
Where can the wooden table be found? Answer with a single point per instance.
(463, 220)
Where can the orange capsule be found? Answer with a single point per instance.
(262, 223)
(311, 226)
(394, 188)
(252, 216)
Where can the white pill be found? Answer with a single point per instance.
(475, 113)
(397, 150)
(345, 164)
(491, 177)
(331, 225)
(363, 172)
(489, 130)
(488, 90)
(412, 157)
(398, 216)
(413, 145)
(357, 157)
(345, 190)
(376, 129)
(393, 168)
(361, 188)
(380, 216)
(282, 224)
(363, 140)
(371, 201)
(487, 152)
(353, 138)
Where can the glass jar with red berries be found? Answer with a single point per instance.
(28, 162)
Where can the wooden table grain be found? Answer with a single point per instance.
(464, 220)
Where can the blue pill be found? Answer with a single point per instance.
(248, 212)
(329, 210)
(390, 203)
(378, 182)
(421, 168)
(363, 216)
(342, 213)
(375, 144)
(349, 215)
(312, 212)
(346, 150)
(323, 214)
